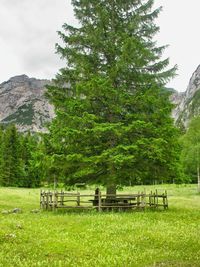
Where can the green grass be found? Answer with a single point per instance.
(138, 239)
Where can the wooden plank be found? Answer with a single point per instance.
(78, 199)
(75, 207)
(99, 201)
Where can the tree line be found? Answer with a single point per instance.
(18, 154)
(32, 160)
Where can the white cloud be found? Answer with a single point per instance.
(28, 33)
(179, 27)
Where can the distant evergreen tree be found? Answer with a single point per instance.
(19, 161)
(190, 156)
(46, 164)
(25, 154)
(29, 148)
(11, 168)
(113, 120)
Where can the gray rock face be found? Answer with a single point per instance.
(187, 104)
(22, 102)
(176, 99)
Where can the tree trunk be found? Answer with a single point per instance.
(111, 190)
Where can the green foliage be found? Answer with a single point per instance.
(113, 117)
(190, 156)
(30, 148)
(17, 162)
(193, 106)
(23, 116)
(11, 167)
(139, 145)
(190, 111)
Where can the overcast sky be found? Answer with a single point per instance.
(28, 36)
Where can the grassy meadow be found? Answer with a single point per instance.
(88, 238)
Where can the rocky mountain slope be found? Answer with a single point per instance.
(188, 102)
(22, 102)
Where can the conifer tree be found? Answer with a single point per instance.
(190, 155)
(113, 120)
(19, 158)
(11, 168)
(29, 148)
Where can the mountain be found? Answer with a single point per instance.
(23, 102)
(187, 103)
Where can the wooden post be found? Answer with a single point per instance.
(163, 196)
(156, 198)
(40, 198)
(78, 199)
(142, 201)
(150, 199)
(166, 200)
(44, 200)
(96, 197)
(99, 201)
(54, 200)
(47, 200)
(144, 198)
(50, 200)
(138, 200)
(62, 198)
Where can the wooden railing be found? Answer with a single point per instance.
(65, 200)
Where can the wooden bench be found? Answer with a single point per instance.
(114, 203)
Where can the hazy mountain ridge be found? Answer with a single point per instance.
(23, 102)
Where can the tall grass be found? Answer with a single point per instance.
(138, 239)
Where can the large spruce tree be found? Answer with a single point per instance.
(113, 120)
